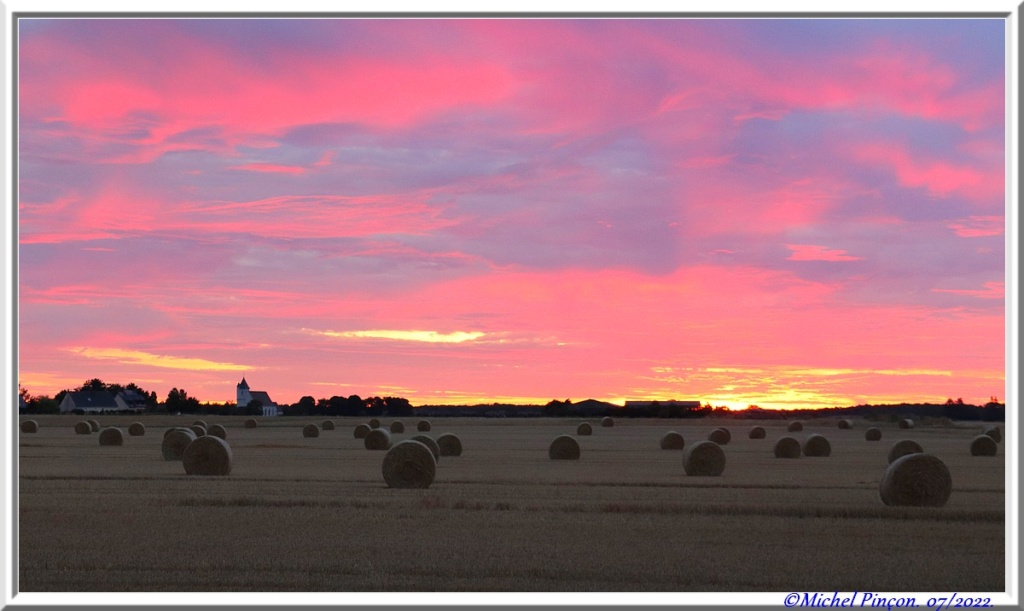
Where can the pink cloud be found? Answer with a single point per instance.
(992, 290)
(939, 178)
(271, 168)
(979, 226)
(810, 252)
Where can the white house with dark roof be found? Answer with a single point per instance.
(245, 396)
(89, 401)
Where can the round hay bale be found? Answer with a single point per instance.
(795, 427)
(178, 428)
(817, 445)
(374, 423)
(906, 423)
(983, 445)
(208, 455)
(607, 422)
(201, 423)
(218, 430)
(564, 447)
(311, 430)
(672, 441)
(397, 427)
(704, 458)
(450, 445)
(95, 425)
(904, 447)
(757, 432)
(584, 429)
(83, 428)
(423, 426)
(251, 423)
(994, 433)
(327, 425)
(111, 436)
(845, 424)
(916, 480)
(360, 431)
(377, 439)
(30, 426)
(721, 436)
(787, 447)
(175, 442)
(409, 464)
(198, 429)
(136, 429)
(873, 434)
(428, 441)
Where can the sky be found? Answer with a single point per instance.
(786, 213)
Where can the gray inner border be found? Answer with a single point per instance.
(15, 17)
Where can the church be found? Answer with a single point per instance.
(245, 396)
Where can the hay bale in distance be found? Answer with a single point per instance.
(409, 464)
(423, 426)
(428, 441)
(251, 423)
(111, 436)
(584, 429)
(397, 427)
(817, 445)
(327, 425)
(175, 442)
(30, 426)
(904, 447)
(845, 424)
(873, 434)
(198, 429)
(787, 447)
(795, 427)
(374, 423)
(377, 439)
(95, 425)
(201, 423)
(983, 445)
(311, 430)
(178, 428)
(136, 429)
(916, 480)
(672, 441)
(906, 423)
(564, 447)
(360, 431)
(208, 455)
(721, 436)
(450, 445)
(218, 430)
(607, 422)
(994, 433)
(705, 459)
(83, 428)
(757, 432)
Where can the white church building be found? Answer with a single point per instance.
(245, 396)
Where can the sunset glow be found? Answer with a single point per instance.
(784, 213)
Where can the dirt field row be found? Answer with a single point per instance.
(314, 514)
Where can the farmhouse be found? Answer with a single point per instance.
(99, 401)
(246, 396)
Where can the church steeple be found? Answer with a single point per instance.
(243, 384)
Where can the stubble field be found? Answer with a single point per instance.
(314, 514)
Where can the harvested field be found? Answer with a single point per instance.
(283, 486)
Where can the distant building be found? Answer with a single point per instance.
(96, 401)
(131, 400)
(246, 396)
